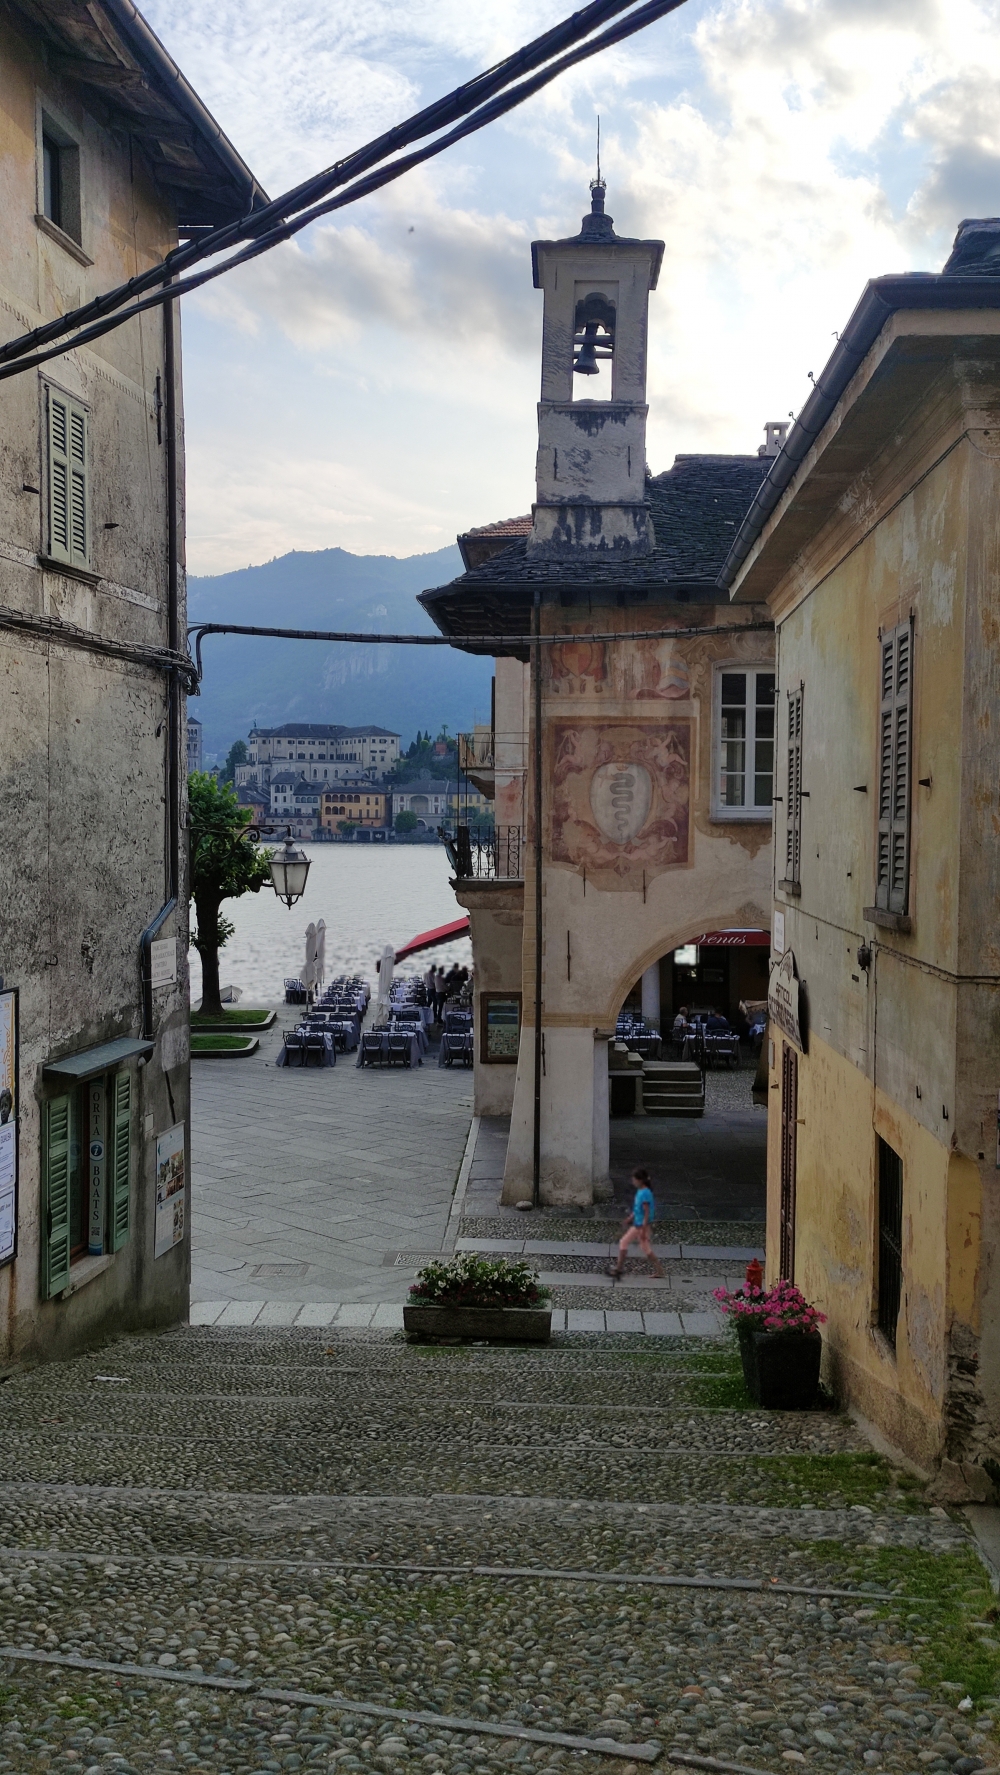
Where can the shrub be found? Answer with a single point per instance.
(473, 1281)
(781, 1308)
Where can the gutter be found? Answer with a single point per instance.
(148, 49)
(882, 298)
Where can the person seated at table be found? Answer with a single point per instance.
(680, 1024)
(716, 1024)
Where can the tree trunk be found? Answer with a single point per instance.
(208, 949)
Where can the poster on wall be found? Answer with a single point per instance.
(170, 1191)
(501, 1015)
(8, 1125)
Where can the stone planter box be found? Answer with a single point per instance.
(509, 1325)
(780, 1368)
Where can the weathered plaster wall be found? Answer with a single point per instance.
(619, 893)
(907, 1049)
(83, 738)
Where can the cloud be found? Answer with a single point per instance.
(373, 383)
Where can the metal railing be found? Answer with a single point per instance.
(485, 853)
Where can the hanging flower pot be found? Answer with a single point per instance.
(780, 1344)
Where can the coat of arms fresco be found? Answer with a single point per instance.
(621, 797)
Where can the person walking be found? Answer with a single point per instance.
(638, 1229)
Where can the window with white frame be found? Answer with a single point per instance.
(744, 742)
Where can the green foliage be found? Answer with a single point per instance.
(421, 760)
(473, 1281)
(225, 864)
(237, 754)
(208, 1042)
(405, 821)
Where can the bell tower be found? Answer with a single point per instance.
(590, 474)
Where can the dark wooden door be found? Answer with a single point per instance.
(789, 1128)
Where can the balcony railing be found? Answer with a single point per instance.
(485, 853)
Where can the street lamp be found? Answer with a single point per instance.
(289, 868)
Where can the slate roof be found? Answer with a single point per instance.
(696, 506)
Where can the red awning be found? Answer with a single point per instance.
(733, 940)
(444, 933)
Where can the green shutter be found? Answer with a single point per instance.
(69, 481)
(58, 544)
(121, 1160)
(55, 1196)
(895, 721)
(793, 788)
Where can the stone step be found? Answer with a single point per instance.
(311, 1315)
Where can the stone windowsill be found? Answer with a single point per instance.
(86, 1269)
(793, 888)
(889, 921)
(51, 565)
(741, 816)
(66, 241)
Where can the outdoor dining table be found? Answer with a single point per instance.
(413, 1042)
(416, 1030)
(303, 1056)
(346, 1031)
(456, 1044)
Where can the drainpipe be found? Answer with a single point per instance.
(536, 1150)
(173, 810)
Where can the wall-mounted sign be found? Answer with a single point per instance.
(785, 1001)
(170, 1190)
(731, 940)
(163, 962)
(778, 935)
(8, 1125)
(500, 1015)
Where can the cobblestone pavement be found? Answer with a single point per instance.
(257, 1537)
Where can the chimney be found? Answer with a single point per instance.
(775, 433)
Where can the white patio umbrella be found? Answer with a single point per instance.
(385, 971)
(309, 970)
(321, 952)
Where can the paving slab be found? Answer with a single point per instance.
(317, 1313)
(278, 1312)
(662, 1324)
(723, 1253)
(579, 1319)
(355, 1314)
(205, 1312)
(623, 1322)
(240, 1312)
(702, 1325)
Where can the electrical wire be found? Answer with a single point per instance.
(14, 354)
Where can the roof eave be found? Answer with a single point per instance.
(881, 299)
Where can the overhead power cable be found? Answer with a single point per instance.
(20, 354)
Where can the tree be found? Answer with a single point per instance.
(237, 754)
(406, 821)
(225, 864)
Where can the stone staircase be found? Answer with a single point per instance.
(235, 1550)
(673, 1088)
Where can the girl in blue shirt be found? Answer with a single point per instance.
(638, 1226)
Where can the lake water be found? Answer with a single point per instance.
(369, 894)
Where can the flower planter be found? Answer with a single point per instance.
(509, 1325)
(783, 1367)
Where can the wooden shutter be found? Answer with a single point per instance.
(121, 1159)
(69, 481)
(789, 1157)
(895, 747)
(793, 787)
(55, 1195)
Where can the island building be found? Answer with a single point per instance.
(427, 797)
(359, 800)
(875, 542)
(109, 158)
(645, 736)
(318, 751)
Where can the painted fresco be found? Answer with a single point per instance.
(620, 797)
(577, 668)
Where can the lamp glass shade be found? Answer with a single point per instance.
(289, 869)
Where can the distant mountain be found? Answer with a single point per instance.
(250, 679)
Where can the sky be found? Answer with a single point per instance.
(372, 385)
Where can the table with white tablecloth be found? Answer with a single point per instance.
(305, 1057)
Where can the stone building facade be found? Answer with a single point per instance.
(651, 755)
(320, 751)
(876, 542)
(107, 154)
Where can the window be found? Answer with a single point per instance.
(59, 192)
(890, 1240)
(793, 795)
(895, 722)
(68, 525)
(86, 1174)
(745, 743)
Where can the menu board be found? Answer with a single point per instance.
(501, 1027)
(8, 1125)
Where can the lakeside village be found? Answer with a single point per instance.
(330, 783)
(744, 751)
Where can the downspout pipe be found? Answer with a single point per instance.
(536, 1131)
(172, 773)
